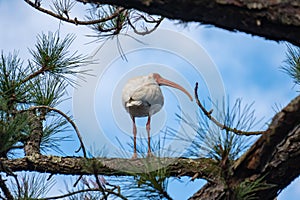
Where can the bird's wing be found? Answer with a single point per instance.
(128, 90)
(148, 93)
(131, 86)
(139, 91)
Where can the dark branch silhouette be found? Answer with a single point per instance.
(274, 20)
(208, 114)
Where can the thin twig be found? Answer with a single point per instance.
(18, 185)
(69, 120)
(146, 31)
(100, 186)
(16, 147)
(75, 20)
(220, 125)
(77, 181)
(10, 172)
(71, 194)
(81, 191)
(34, 74)
(5, 190)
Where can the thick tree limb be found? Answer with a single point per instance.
(273, 157)
(275, 20)
(282, 125)
(110, 166)
(33, 142)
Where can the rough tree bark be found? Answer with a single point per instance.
(277, 20)
(109, 166)
(274, 156)
(33, 142)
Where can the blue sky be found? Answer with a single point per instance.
(249, 66)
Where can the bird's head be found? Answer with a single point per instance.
(162, 81)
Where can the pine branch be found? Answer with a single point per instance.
(146, 30)
(31, 186)
(175, 167)
(68, 119)
(274, 20)
(106, 21)
(33, 75)
(220, 125)
(75, 20)
(292, 63)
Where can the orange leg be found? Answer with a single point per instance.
(149, 154)
(134, 156)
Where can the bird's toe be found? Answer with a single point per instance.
(134, 156)
(150, 155)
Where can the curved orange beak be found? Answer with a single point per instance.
(161, 81)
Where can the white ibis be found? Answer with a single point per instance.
(142, 97)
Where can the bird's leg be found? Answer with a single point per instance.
(149, 154)
(134, 156)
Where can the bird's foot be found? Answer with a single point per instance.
(150, 155)
(134, 156)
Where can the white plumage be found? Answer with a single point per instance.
(142, 97)
(143, 92)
